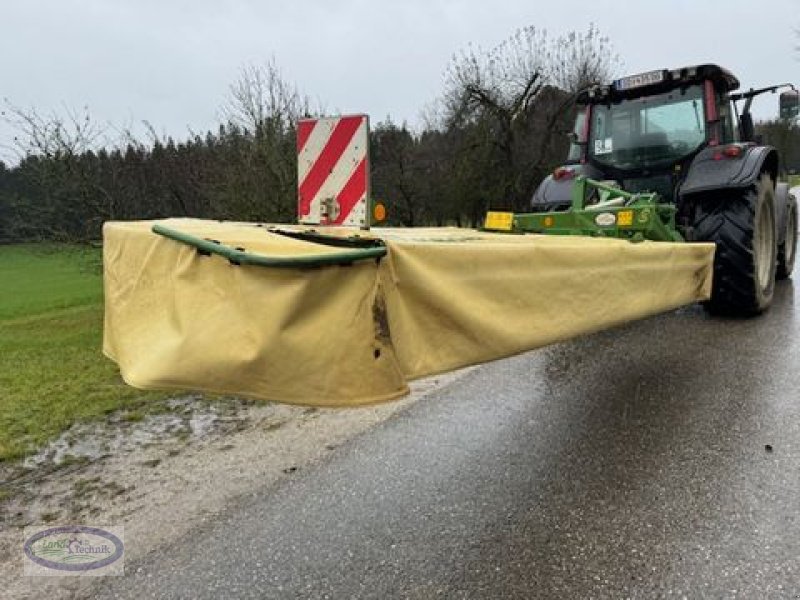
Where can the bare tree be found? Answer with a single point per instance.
(505, 80)
(264, 108)
(262, 95)
(500, 94)
(54, 134)
(577, 60)
(61, 146)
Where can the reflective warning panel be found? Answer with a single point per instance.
(333, 171)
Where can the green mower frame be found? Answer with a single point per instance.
(598, 210)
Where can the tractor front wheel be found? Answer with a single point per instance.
(742, 226)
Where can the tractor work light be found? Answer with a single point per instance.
(730, 151)
(563, 174)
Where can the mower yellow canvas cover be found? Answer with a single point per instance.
(355, 333)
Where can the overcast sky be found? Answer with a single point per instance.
(171, 61)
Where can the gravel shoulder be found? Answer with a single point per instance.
(163, 476)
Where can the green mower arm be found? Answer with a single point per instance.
(240, 257)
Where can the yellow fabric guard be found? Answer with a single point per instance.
(441, 299)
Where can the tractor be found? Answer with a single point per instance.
(668, 155)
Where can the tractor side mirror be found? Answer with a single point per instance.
(790, 104)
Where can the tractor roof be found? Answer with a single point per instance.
(654, 82)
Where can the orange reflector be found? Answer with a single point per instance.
(379, 212)
(548, 221)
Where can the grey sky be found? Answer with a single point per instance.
(171, 62)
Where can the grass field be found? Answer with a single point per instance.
(52, 371)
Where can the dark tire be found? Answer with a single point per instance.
(788, 249)
(742, 226)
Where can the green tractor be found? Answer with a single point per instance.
(667, 155)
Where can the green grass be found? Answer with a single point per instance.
(52, 371)
(793, 180)
(38, 278)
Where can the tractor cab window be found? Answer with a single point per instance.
(649, 131)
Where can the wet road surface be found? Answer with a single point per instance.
(660, 459)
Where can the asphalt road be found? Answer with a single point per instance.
(661, 459)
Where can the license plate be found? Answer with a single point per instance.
(499, 221)
(641, 80)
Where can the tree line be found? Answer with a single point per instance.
(499, 126)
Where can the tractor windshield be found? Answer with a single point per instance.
(649, 131)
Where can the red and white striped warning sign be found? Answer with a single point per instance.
(333, 170)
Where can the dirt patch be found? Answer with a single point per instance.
(160, 475)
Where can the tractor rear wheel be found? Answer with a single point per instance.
(788, 249)
(743, 228)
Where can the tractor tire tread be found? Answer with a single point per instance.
(730, 223)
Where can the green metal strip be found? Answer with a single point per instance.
(246, 258)
(310, 235)
(655, 222)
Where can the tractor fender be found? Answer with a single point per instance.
(708, 172)
(781, 209)
(553, 193)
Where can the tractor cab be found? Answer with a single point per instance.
(644, 132)
(654, 121)
(640, 132)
